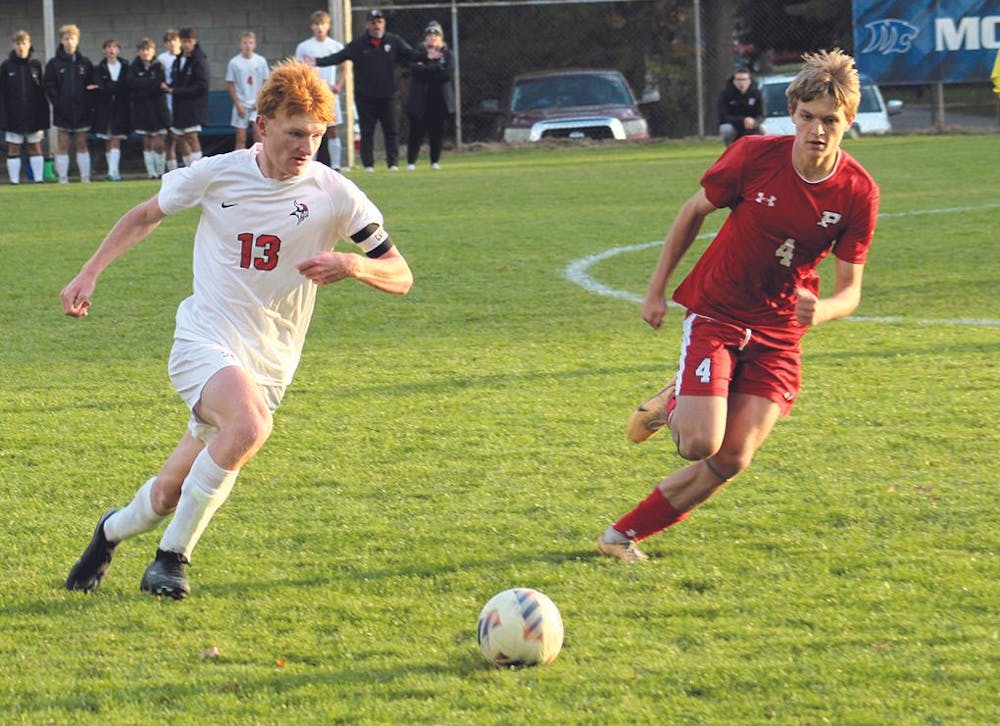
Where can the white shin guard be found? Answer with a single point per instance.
(205, 489)
(136, 518)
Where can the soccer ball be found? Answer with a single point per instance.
(520, 627)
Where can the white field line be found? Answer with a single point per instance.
(577, 272)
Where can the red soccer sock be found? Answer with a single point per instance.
(653, 514)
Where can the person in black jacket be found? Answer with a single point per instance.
(431, 98)
(150, 117)
(68, 82)
(190, 93)
(24, 110)
(741, 108)
(375, 55)
(112, 106)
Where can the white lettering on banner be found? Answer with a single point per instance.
(968, 34)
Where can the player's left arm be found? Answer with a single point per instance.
(810, 310)
(383, 267)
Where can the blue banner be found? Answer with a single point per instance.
(928, 41)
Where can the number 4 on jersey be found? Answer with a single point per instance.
(785, 252)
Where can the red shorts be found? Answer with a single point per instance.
(720, 358)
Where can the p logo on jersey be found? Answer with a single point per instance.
(301, 212)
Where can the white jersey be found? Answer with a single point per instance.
(166, 58)
(247, 76)
(248, 294)
(310, 47)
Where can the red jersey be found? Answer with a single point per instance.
(779, 228)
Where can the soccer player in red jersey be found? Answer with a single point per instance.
(753, 293)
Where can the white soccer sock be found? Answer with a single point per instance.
(14, 170)
(138, 517)
(149, 161)
(159, 162)
(83, 164)
(191, 158)
(62, 166)
(37, 167)
(333, 146)
(114, 162)
(204, 490)
(171, 164)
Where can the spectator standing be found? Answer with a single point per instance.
(112, 106)
(171, 50)
(24, 109)
(375, 55)
(239, 336)
(995, 76)
(431, 99)
(245, 75)
(150, 117)
(741, 108)
(68, 83)
(318, 45)
(190, 93)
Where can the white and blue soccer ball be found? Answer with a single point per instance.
(520, 627)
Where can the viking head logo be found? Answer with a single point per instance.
(890, 35)
(300, 212)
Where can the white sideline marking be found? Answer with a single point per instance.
(577, 273)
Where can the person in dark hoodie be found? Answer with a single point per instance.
(741, 108)
(375, 55)
(68, 82)
(24, 110)
(190, 93)
(431, 99)
(150, 117)
(112, 106)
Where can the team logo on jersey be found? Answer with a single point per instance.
(765, 199)
(301, 212)
(829, 218)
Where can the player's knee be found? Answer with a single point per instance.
(696, 446)
(253, 429)
(731, 463)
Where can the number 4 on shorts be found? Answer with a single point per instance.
(704, 371)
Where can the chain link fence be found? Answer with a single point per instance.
(655, 44)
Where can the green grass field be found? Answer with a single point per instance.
(469, 437)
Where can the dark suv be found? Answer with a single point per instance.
(575, 104)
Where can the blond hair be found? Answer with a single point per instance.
(295, 89)
(320, 16)
(69, 29)
(827, 73)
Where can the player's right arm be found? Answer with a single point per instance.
(133, 227)
(679, 239)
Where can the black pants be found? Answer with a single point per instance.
(370, 112)
(431, 123)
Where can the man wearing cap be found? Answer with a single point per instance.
(375, 55)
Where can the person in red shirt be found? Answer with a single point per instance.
(753, 293)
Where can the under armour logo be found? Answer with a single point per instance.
(769, 201)
(828, 219)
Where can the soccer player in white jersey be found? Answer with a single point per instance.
(270, 217)
(319, 45)
(245, 75)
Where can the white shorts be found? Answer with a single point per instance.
(190, 367)
(33, 138)
(241, 123)
(182, 132)
(158, 132)
(74, 131)
(108, 137)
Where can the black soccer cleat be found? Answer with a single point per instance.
(89, 571)
(165, 576)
